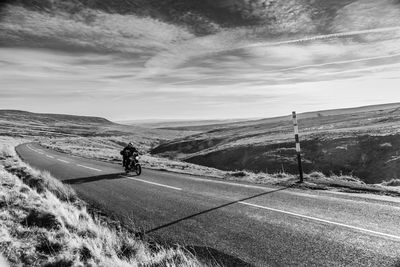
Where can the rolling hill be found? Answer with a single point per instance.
(363, 142)
(25, 116)
(17, 123)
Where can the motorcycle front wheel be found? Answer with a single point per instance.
(138, 169)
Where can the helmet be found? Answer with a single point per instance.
(130, 144)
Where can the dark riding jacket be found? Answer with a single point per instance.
(128, 151)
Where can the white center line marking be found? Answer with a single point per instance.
(163, 185)
(321, 220)
(31, 148)
(63, 160)
(90, 168)
(229, 183)
(34, 150)
(50, 156)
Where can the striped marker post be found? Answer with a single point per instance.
(298, 150)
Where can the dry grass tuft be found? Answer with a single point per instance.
(43, 219)
(39, 180)
(393, 182)
(238, 174)
(316, 175)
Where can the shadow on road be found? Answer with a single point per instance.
(212, 257)
(212, 209)
(95, 178)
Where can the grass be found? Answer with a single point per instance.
(39, 180)
(393, 182)
(43, 223)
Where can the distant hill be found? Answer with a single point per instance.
(19, 115)
(17, 123)
(362, 141)
(202, 127)
(179, 124)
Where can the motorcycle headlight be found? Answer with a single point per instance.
(137, 157)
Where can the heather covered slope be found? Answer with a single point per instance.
(25, 116)
(363, 142)
(17, 123)
(22, 123)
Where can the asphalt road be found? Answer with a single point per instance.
(237, 224)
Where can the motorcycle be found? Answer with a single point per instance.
(133, 164)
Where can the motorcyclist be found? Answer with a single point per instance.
(128, 152)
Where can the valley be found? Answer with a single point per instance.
(363, 142)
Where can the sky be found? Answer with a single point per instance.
(131, 66)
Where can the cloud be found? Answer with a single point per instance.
(137, 64)
(222, 60)
(103, 32)
(161, 47)
(275, 16)
(367, 14)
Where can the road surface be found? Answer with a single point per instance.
(237, 224)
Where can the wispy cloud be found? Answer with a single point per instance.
(88, 30)
(144, 64)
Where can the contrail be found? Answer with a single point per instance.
(298, 67)
(360, 69)
(323, 37)
(335, 63)
(308, 39)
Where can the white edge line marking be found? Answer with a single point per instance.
(330, 194)
(90, 168)
(321, 220)
(163, 185)
(50, 156)
(224, 182)
(63, 160)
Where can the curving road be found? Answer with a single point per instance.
(236, 224)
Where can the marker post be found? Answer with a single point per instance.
(298, 150)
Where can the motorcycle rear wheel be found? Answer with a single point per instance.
(138, 169)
